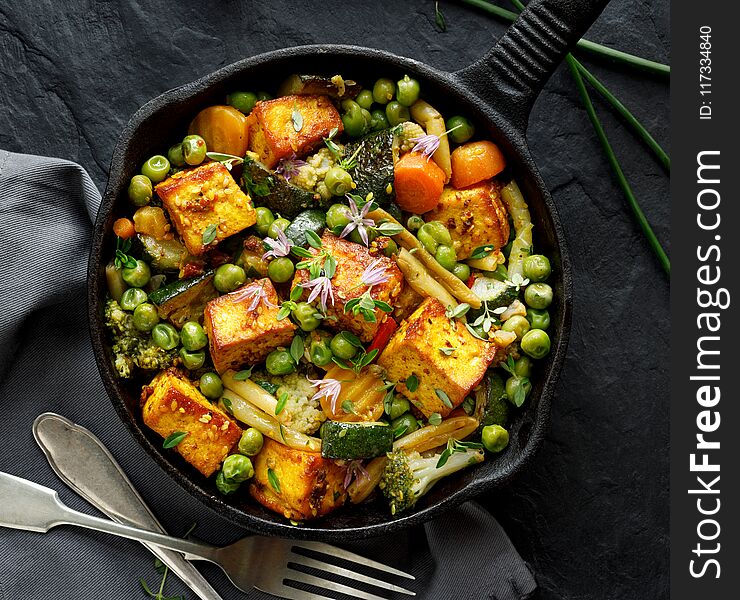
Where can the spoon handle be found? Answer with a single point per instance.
(82, 462)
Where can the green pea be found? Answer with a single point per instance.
(279, 362)
(514, 385)
(397, 113)
(192, 360)
(320, 353)
(131, 298)
(263, 96)
(338, 181)
(280, 269)
(165, 336)
(516, 324)
(404, 424)
(446, 257)
(426, 239)
(338, 215)
(156, 168)
(368, 119)
(242, 101)
(305, 313)
(384, 90)
(238, 468)
(342, 348)
(365, 99)
(140, 190)
(265, 218)
(390, 248)
(192, 336)
(461, 271)
(495, 438)
(460, 129)
(539, 319)
(439, 232)
(225, 486)
(251, 441)
(277, 225)
(407, 91)
(353, 119)
(145, 316)
(536, 343)
(537, 267)
(194, 149)
(537, 295)
(228, 277)
(137, 276)
(414, 223)
(175, 156)
(523, 366)
(378, 120)
(399, 406)
(211, 386)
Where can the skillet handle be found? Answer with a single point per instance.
(512, 74)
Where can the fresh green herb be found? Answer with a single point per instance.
(482, 252)
(313, 239)
(271, 388)
(348, 407)
(435, 419)
(174, 439)
(412, 383)
(442, 395)
(282, 433)
(400, 430)
(209, 234)
(517, 281)
(228, 160)
(366, 306)
(447, 351)
(468, 405)
(487, 319)
(243, 375)
(301, 252)
(260, 189)
(123, 259)
(296, 293)
(351, 338)
(285, 309)
(350, 163)
(282, 401)
(332, 145)
(297, 118)
(227, 405)
(388, 228)
(297, 348)
(439, 18)
(454, 446)
(273, 479)
(457, 312)
(388, 400)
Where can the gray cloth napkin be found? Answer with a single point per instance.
(46, 364)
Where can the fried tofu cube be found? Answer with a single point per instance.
(475, 217)
(308, 485)
(275, 134)
(172, 404)
(242, 326)
(352, 260)
(199, 198)
(415, 350)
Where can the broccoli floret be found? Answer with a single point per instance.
(408, 476)
(132, 348)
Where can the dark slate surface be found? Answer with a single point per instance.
(591, 515)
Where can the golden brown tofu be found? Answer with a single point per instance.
(243, 330)
(272, 131)
(475, 216)
(352, 259)
(415, 350)
(309, 486)
(207, 195)
(174, 404)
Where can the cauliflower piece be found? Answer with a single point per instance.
(301, 412)
(407, 131)
(311, 175)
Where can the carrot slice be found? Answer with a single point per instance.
(476, 162)
(418, 182)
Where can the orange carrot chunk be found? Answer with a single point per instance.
(418, 182)
(476, 162)
(223, 128)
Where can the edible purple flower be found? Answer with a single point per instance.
(428, 144)
(373, 274)
(355, 470)
(320, 288)
(329, 389)
(256, 293)
(278, 247)
(359, 221)
(289, 166)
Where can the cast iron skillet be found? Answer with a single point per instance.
(497, 92)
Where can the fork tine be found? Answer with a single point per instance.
(330, 585)
(350, 556)
(322, 566)
(290, 593)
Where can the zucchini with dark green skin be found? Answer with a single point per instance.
(266, 188)
(491, 401)
(163, 255)
(312, 219)
(350, 441)
(184, 300)
(374, 169)
(494, 292)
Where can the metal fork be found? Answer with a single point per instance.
(267, 564)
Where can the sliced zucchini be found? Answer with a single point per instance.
(164, 255)
(494, 292)
(354, 440)
(184, 300)
(491, 402)
(273, 191)
(303, 85)
(374, 170)
(312, 219)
